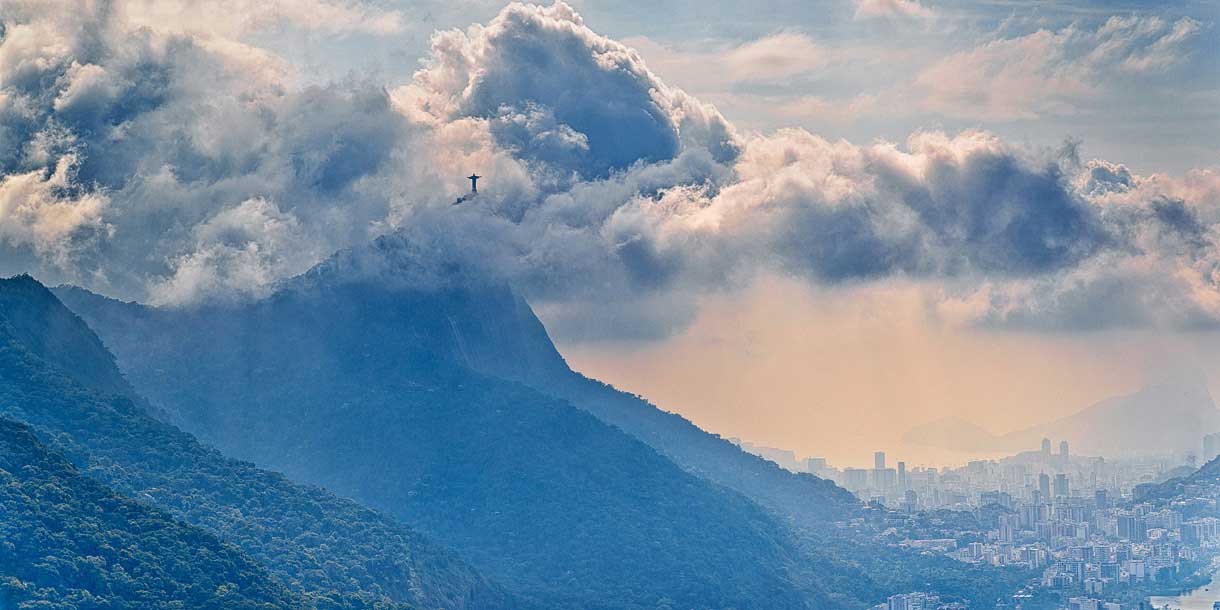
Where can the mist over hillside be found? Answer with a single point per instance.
(418, 398)
(1169, 415)
(331, 552)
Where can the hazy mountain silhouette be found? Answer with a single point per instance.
(332, 552)
(1170, 414)
(953, 433)
(359, 384)
(438, 397)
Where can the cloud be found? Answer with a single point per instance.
(771, 59)
(945, 205)
(891, 9)
(1049, 72)
(148, 134)
(238, 252)
(1163, 271)
(177, 167)
(42, 211)
(230, 18)
(1165, 48)
(543, 62)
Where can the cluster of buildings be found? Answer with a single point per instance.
(917, 601)
(1085, 530)
(1090, 528)
(1037, 476)
(1088, 603)
(1087, 553)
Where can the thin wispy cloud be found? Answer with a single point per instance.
(1050, 72)
(891, 9)
(238, 17)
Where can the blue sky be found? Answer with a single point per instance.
(853, 69)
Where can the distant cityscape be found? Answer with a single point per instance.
(1091, 529)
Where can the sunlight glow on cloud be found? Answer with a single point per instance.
(769, 59)
(179, 167)
(235, 17)
(902, 9)
(1049, 72)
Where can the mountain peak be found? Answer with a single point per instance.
(953, 433)
(393, 260)
(1174, 410)
(32, 316)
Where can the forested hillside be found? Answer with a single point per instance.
(322, 382)
(67, 542)
(402, 397)
(334, 552)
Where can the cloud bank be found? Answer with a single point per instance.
(178, 166)
(1051, 72)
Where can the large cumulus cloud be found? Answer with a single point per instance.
(556, 92)
(146, 136)
(1161, 271)
(176, 167)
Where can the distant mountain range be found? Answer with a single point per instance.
(1169, 415)
(434, 399)
(330, 553)
(439, 398)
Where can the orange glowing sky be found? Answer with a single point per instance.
(843, 372)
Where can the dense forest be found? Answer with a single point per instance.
(447, 389)
(67, 542)
(541, 496)
(333, 552)
(560, 508)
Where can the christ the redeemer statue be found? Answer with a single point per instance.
(474, 182)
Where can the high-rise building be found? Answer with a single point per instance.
(879, 460)
(1100, 499)
(855, 479)
(1063, 451)
(884, 479)
(909, 601)
(1133, 528)
(1046, 447)
(1061, 485)
(1044, 482)
(1211, 447)
(902, 475)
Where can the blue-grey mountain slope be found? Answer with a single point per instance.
(331, 552)
(67, 542)
(438, 397)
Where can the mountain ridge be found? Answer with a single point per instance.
(1114, 426)
(355, 380)
(382, 358)
(67, 537)
(338, 555)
